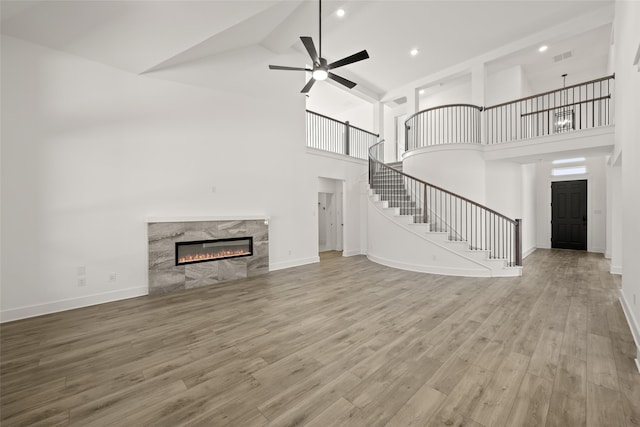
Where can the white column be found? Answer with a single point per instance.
(412, 102)
(478, 85)
(378, 119)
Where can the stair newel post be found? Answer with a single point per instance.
(346, 138)
(518, 243)
(406, 136)
(424, 203)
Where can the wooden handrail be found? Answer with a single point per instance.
(442, 106)
(438, 188)
(612, 76)
(344, 123)
(565, 105)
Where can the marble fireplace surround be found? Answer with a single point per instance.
(163, 233)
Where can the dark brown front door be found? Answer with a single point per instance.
(569, 215)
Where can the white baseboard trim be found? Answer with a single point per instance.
(528, 252)
(70, 304)
(633, 325)
(293, 263)
(433, 269)
(597, 250)
(616, 269)
(353, 252)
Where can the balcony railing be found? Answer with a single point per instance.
(328, 134)
(447, 124)
(580, 106)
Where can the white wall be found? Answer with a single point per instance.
(391, 147)
(529, 221)
(326, 172)
(596, 203)
(503, 187)
(459, 168)
(614, 218)
(360, 116)
(448, 93)
(89, 152)
(627, 107)
(505, 85)
(338, 103)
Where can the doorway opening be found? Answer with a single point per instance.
(400, 135)
(569, 215)
(330, 217)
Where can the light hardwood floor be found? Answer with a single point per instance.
(342, 342)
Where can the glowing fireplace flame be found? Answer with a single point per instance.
(212, 255)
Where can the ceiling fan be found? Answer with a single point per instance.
(321, 69)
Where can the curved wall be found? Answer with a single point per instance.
(459, 168)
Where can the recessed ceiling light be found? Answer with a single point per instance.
(543, 48)
(421, 91)
(413, 52)
(340, 12)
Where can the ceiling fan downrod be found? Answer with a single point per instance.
(321, 68)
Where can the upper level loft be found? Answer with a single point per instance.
(575, 118)
(524, 95)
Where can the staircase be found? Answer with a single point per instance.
(390, 188)
(417, 226)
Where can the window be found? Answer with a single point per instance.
(572, 160)
(573, 170)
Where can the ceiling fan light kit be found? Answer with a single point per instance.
(321, 69)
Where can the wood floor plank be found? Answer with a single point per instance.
(601, 368)
(544, 360)
(566, 411)
(604, 407)
(574, 343)
(532, 402)
(462, 400)
(495, 405)
(340, 413)
(418, 409)
(313, 403)
(342, 342)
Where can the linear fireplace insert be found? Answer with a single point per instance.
(212, 250)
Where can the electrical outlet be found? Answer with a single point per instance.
(82, 281)
(82, 270)
(113, 277)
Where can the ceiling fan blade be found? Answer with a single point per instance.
(307, 87)
(350, 59)
(342, 80)
(311, 48)
(280, 67)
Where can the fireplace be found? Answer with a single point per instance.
(213, 250)
(180, 247)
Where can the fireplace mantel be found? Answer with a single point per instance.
(205, 218)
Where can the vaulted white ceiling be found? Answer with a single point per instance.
(147, 36)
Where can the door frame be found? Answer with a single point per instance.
(579, 177)
(340, 208)
(586, 207)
